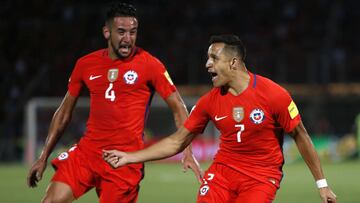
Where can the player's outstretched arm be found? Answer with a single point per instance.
(308, 152)
(166, 147)
(61, 118)
(177, 105)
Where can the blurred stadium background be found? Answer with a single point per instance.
(310, 47)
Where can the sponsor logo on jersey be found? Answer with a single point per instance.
(63, 156)
(238, 113)
(219, 118)
(257, 116)
(204, 190)
(112, 74)
(293, 110)
(168, 77)
(93, 77)
(130, 77)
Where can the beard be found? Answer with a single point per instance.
(116, 50)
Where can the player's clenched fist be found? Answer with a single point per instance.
(115, 158)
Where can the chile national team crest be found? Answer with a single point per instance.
(63, 156)
(130, 77)
(257, 116)
(203, 190)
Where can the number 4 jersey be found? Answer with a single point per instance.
(252, 126)
(120, 95)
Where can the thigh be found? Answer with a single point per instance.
(214, 188)
(58, 192)
(258, 193)
(112, 193)
(71, 168)
(119, 185)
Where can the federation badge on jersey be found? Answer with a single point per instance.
(293, 110)
(204, 190)
(238, 113)
(168, 77)
(130, 77)
(113, 74)
(257, 116)
(63, 156)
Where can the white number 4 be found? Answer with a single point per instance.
(110, 93)
(238, 134)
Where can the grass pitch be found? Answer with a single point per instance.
(165, 182)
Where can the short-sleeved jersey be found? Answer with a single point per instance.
(120, 96)
(251, 124)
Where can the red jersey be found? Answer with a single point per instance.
(120, 96)
(251, 124)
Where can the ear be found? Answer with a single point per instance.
(233, 63)
(106, 32)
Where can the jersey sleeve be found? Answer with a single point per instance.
(161, 79)
(285, 110)
(198, 118)
(75, 80)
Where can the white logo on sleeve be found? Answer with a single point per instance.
(219, 118)
(93, 77)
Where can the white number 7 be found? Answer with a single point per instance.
(238, 134)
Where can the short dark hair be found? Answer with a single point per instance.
(120, 9)
(232, 42)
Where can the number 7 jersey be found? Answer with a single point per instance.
(120, 96)
(252, 125)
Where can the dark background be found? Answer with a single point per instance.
(302, 43)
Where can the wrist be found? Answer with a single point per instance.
(321, 183)
(130, 158)
(43, 157)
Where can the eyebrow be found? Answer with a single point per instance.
(122, 29)
(213, 56)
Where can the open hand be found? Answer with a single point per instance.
(115, 158)
(189, 161)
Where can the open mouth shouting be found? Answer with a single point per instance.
(213, 75)
(125, 49)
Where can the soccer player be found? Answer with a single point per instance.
(252, 113)
(122, 80)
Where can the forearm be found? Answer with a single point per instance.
(309, 154)
(180, 114)
(57, 126)
(166, 147)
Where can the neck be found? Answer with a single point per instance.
(240, 82)
(111, 54)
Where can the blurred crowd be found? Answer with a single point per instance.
(289, 41)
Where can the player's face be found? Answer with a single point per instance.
(218, 65)
(123, 33)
